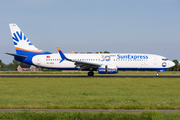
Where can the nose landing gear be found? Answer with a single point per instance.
(157, 74)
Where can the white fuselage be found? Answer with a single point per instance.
(122, 61)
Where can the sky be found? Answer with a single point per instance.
(117, 26)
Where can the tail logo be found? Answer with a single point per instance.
(20, 38)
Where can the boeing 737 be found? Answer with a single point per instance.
(103, 63)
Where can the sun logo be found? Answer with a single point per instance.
(20, 39)
(164, 64)
(105, 58)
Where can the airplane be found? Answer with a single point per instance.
(103, 63)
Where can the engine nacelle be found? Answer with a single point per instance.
(107, 70)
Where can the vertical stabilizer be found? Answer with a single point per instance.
(21, 42)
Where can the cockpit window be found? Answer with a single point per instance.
(164, 59)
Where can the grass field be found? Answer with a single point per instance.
(88, 116)
(96, 93)
(84, 73)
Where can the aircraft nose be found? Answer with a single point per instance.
(172, 64)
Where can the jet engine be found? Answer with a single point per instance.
(107, 69)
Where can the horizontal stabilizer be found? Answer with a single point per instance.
(17, 55)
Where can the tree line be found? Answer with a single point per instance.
(11, 66)
(14, 64)
(174, 68)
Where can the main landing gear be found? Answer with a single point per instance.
(90, 73)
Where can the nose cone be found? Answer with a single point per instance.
(171, 64)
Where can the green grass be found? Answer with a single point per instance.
(88, 116)
(84, 73)
(87, 93)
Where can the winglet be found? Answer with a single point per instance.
(72, 51)
(58, 49)
(61, 54)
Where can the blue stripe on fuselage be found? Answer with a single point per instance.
(29, 55)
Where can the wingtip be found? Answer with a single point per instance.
(58, 49)
(72, 51)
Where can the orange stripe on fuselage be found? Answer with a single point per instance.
(35, 51)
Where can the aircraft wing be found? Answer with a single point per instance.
(81, 64)
(85, 65)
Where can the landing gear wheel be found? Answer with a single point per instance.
(90, 73)
(157, 74)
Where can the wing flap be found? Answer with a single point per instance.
(86, 65)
